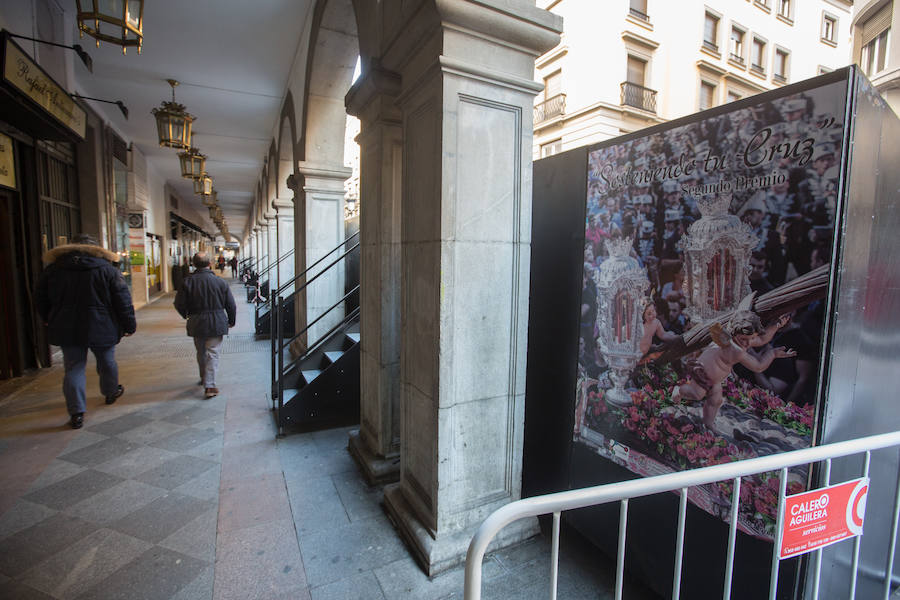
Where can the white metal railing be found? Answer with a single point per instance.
(680, 481)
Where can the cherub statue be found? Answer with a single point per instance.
(731, 346)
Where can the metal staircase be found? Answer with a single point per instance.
(318, 386)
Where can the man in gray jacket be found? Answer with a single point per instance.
(206, 302)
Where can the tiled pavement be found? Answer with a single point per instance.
(165, 495)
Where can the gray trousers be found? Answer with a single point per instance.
(208, 359)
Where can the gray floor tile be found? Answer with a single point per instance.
(161, 518)
(316, 505)
(56, 471)
(358, 586)
(360, 500)
(84, 438)
(27, 548)
(200, 588)
(197, 538)
(118, 425)
(100, 452)
(114, 503)
(185, 440)
(141, 578)
(211, 450)
(22, 515)
(84, 564)
(73, 490)
(204, 486)
(13, 590)
(404, 578)
(133, 463)
(192, 416)
(368, 544)
(150, 432)
(176, 471)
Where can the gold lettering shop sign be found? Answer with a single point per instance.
(7, 162)
(24, 74)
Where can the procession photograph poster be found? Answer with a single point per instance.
(707, 256)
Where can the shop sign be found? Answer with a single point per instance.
(26, 76)
(822, 517)
(7, 162)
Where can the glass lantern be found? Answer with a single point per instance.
(193, 164)
(173, 123)
(203, 185)
(621, 287)
(119, 22)
(717, 250)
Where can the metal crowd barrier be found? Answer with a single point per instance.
(680, 481)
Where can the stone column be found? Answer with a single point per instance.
(284, 226)
(376, 446)
(323, 191)
(272, 244)
(467, 101)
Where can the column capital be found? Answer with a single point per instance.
(377, 86)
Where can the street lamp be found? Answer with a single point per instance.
(173, 123)
(119, 22)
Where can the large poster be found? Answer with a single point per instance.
(706, 265)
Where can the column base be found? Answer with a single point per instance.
(376, 469)
(436, 554)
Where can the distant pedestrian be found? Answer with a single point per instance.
(85, 302)
(234, 264)
(206, 302)
(220, 263)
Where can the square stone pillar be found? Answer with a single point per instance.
(284, 233)
(272, 250)
(467, 103)
(323, 192)
(376, 445)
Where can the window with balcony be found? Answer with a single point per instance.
(554, 103)
(763, 4)
(874, 53)
(707, 95)
(829, 29)
(711, 32)
(785, 11)
(782, 63)
(737, 45)
(758, 56)
(634, 92)
(638, 9)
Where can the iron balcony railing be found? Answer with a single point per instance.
(680, 482)
(736, 58)
(711, 46)
(638, 96)
(637, 14)
(552, 107)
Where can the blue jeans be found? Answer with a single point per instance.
(75, 361)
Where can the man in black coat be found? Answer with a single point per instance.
(206, 302)
(85, 302)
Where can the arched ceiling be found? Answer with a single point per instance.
(233, 60)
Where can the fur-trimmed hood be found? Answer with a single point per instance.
(51, 256)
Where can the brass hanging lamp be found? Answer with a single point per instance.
(193, 164)
(173, 123)
(119, 22)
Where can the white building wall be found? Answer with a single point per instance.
(598, 37)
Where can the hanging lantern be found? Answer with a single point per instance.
(621, 285)
(193, 164)
(203, 185)
(173, 123)
(212, 211)
(717, 250)
(119, 22)
(210, 199)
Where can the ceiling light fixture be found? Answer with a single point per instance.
(119, 22)
(173, 123)
(193, 164)
(203, 185)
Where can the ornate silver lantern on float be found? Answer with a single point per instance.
(621, 285)
(717, 250)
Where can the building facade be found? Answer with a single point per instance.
(642, 62)
(873, 49)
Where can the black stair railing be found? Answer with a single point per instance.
(260, 277)
(277, 304)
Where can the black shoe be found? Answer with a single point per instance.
(119, 392)
(77, 420)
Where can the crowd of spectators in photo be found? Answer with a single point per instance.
(792, 217)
